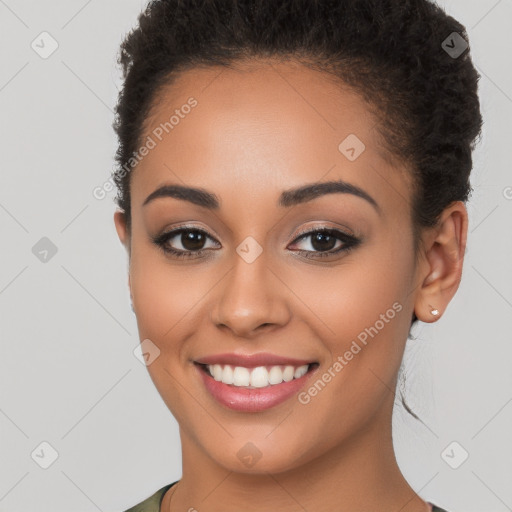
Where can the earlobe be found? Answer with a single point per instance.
(444, 256)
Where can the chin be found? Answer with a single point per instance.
(256, 457)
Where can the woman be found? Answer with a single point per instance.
(292, 178)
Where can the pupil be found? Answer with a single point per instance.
(192, 240)
(319, 240)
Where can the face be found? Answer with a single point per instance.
(325, 277)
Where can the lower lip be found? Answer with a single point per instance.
(252, 400)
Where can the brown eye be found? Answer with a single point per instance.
(322, 241)
(191, 240)
(326, 242)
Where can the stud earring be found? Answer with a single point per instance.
(433, 311)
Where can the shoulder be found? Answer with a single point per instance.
(436, 508)
(151, 504)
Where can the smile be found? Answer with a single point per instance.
(254, 389)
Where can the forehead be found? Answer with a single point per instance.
(262, 127)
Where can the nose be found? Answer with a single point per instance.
(251, 299)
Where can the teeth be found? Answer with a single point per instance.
(300, 371)
(275, 375)
(258, 377)
(217, 372)
(241, 376)
(288, 373)
(227, 375)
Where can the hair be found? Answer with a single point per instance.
(389, 51)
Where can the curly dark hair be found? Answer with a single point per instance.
(389, 51)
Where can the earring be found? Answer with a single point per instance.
(131, 304)
(433, 311)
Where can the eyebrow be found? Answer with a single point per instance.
(288, 198)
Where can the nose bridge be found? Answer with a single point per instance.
(251, 295)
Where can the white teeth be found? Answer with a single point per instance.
(241, 376)
(288, 373)
(217, 372)
(300, 371)
(258, 377)
(227, 375)
(275, 375)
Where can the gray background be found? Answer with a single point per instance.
(68, 373)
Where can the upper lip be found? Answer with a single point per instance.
(252, 360)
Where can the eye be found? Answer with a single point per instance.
(326, 242)
(191, 240)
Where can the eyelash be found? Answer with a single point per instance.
(350, 242)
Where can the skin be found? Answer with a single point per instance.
(258, 130)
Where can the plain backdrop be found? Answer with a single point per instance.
(68, 374)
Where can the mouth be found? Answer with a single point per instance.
(254, 389)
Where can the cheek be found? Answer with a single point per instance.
(363, 313)
(162, 294)
(364, 328)
(368, 285)
(164, 298)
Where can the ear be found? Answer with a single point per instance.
(441, 268)
(121, 228)
(123, 234)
